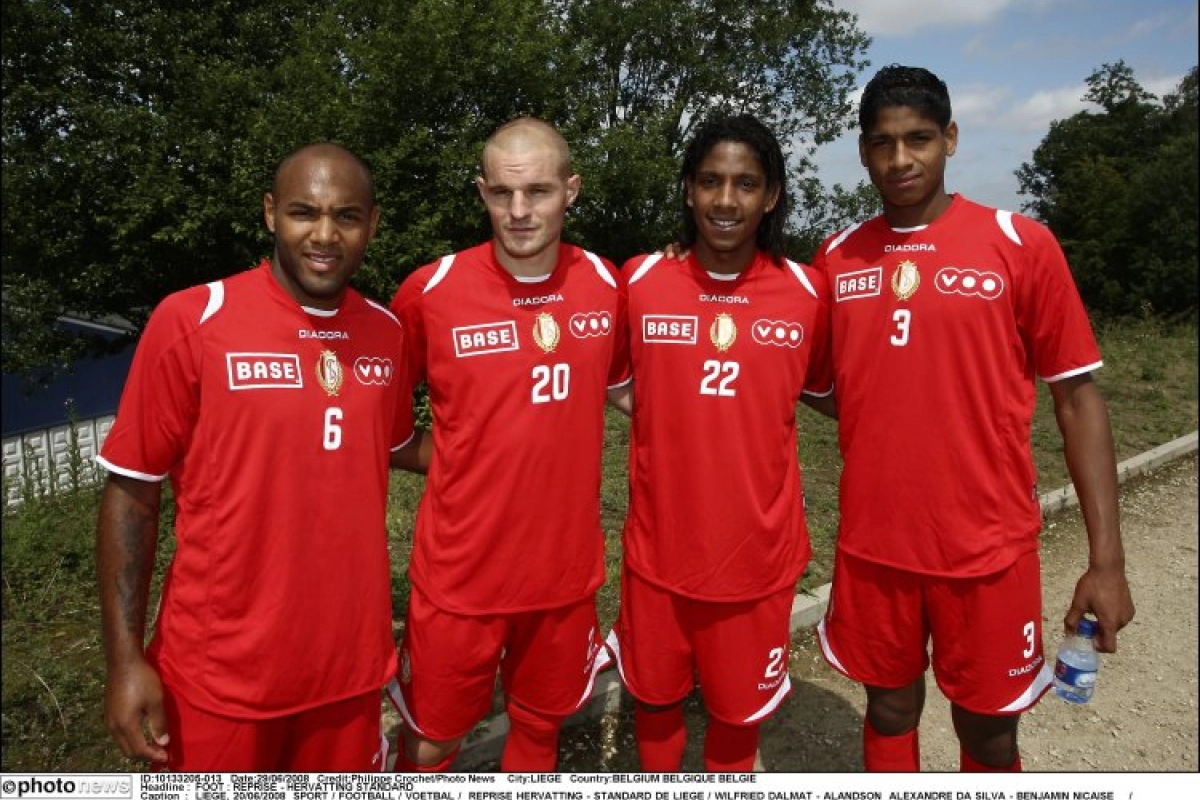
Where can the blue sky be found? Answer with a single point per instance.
(1012, 67)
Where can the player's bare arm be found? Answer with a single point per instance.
(126, 540)
(621, 398)
(416, 454)
(1103, 589)
(824, 404)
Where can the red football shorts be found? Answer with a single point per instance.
(345, 736)
(448, 662)
(664, 642)
(986, 631)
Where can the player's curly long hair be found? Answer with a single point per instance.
(897, 85)
(748, 130)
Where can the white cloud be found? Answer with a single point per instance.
(1035, 114)
(892, 18)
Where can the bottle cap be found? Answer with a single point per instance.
(1087, 627)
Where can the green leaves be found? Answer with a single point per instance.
(1119, 189)
(139, 138)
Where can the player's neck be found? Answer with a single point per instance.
(723, 262)
(538, 265)
(916, 216)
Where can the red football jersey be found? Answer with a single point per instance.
(518, 373)
(274, 423)
(716, 510)
(938, 333)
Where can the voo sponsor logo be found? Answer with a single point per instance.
(781, 334)
(969, 283)
(373, 371)
(593, 323)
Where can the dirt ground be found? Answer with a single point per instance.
(1143, 717)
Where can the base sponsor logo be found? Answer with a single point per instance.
(669, 329)
(480, 340)
(860, 284)
(263, 371)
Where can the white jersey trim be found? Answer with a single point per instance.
(600, 270)
(798, 271)
(645, 267)
(1005, 220)
(397, 698)
(441, 272)
(382, 308)
(328, 313)
(130, 473)
(773, 703)
(819, 394)
(406, 441)
(625, 382)
(1035, 690)
(216, 299)
(1071, 373)
(841, 237)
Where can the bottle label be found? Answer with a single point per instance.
(1073, 676)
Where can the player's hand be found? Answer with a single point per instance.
(1105, 593)
(676, 251)
(133, 704)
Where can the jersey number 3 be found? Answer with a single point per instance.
(903, 319)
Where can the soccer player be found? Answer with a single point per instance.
(515, 339)
(270, 400)
(943, 314)
(715, 539)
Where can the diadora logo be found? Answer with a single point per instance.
(263, 371)
(669, 329)
(856, 285)
(783, 334)
(373, 371)
(951, 280)
(479, 340)
(593, 323)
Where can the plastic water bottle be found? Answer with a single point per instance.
(1078, 662)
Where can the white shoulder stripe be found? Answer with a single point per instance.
(382, 308)
(645, 267)
(841, 237)
(216, 299)
(442, 271)
(798, 271)
(1005, 220)
(604, 274)
(129, 473)
(1071, 373)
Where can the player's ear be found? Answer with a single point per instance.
(951, 138)
(269, 211)
(574, 184)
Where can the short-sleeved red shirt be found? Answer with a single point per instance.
(938, 333)
(716, 511)
(518, 373)
(274, 424)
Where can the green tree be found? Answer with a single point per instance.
(138, 138)
(1119, 189)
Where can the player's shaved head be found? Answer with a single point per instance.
(525, 134)
(304, 157)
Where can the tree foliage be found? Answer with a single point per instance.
(1119, 188)
(138, 138)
